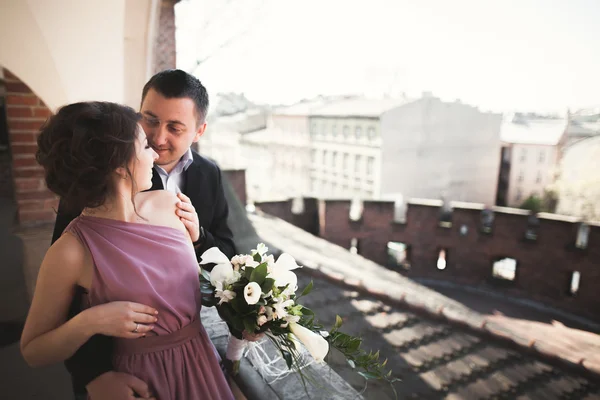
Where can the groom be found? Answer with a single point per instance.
(174, 107)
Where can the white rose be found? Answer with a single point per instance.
(261, 320)
(252, 293)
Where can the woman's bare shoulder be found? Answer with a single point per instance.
(159, 207)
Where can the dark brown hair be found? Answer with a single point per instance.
(81, 147)
(177, 84)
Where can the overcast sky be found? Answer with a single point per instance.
(539, 55)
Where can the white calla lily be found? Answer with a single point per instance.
(286, 262)
(283, 278)
(252, 293)
(214, 256)
(221, 273)
(314, 343)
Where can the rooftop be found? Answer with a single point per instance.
(532, 131)
(358, 107)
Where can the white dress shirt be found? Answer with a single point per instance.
(173, 181)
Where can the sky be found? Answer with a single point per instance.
(503, 56)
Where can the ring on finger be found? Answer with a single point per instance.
(136, 328)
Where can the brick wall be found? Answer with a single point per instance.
(307, 220)
(237, 179)
(544, 268)
(165, 52)
(25, 114)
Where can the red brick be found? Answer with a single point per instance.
(41, 195)
(23, 137)
(9, 75)
(17, 87)
(42, 112)
(19, 112)
(28, 184)
(24, 148)
(24, 124)
(28, 173)
(51, 204)
(22, 100)
(25, 162)
(26, 217)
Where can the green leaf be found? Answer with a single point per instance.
(287, 356)
(250, 324)
(259, 274)
(257, 257)
(205, 275)
(267, 285)
(367, 375)
(338, 322)
(307, 289)
(248, 272)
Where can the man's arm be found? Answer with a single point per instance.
(218, 233)
(94, 357)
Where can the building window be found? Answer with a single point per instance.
(538, 178)
(354, 246)
(533, 224)
(542, 157)
(345, 162)
(519, 195)
(521, 176)
(399, 210)
(370, 163)
(487, 220)
(313, 129)
(356, 209)
(333, 130)
(523, 155)
(313, 185)
(334, 159)
(298, 205)
(323, 130)
(398, 255)
(505, 269)
(575, 279)
(346, 131)
(358, 133)
(357, 162)
(313, 156)
(371, 133)
(582, 236)
(442, 259)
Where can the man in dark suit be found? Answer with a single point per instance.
(174, 107)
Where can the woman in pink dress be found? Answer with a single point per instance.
(127, 248)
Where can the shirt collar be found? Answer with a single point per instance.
(184, 163)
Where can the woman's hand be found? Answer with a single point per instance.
(123, 319)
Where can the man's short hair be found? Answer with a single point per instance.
(177, 84)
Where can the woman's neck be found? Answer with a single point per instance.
(119, 207)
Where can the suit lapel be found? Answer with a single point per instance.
(156, 181)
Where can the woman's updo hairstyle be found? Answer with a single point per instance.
(81, 146)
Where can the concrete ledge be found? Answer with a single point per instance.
(327, 384)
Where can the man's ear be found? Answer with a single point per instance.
(199, 132)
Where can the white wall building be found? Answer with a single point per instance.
(391, 147)
(578, 186)
(533, 150)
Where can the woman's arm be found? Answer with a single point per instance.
(47, 338)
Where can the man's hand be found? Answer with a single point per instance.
(118, 386)
(187, 214)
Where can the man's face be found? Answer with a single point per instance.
(171, 127)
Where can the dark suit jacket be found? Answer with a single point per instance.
(203, 185)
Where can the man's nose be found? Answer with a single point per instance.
(160, 135)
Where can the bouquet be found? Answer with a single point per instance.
(256, 294)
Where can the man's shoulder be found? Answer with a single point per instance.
(204, 163)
